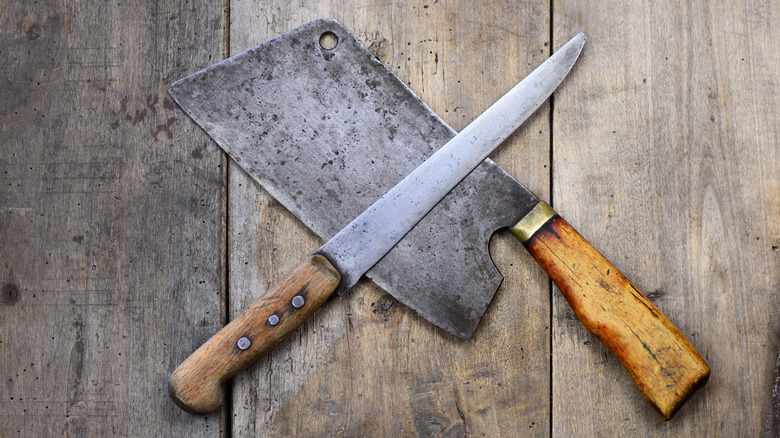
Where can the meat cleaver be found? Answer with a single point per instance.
(328, 130)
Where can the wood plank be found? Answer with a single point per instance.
(113, 207)
(666, 158)
(365, 365)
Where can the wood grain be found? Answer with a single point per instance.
(364, 365)
(196, 385)
(112, 206)
(666, 157)
(112, 238)
(661, 360)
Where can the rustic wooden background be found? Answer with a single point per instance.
(127, 238)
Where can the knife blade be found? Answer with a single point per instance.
(196, 384)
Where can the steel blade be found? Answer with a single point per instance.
(371, 235)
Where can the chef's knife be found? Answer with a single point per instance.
(338, 264)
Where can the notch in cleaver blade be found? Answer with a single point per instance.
(327, 132)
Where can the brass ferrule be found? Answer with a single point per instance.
(531, 222)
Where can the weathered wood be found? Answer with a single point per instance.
(661, 360)
(666, 157)
(196, 385)
(112, 206)
(112, 230)
(364, 365)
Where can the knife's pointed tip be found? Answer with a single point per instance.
(578, 41)
(582, 38)
(570, 51)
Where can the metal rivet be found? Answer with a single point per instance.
(243, 343)
(298, 301)
(273, 320)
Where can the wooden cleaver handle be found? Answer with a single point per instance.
(196, 385)
(664, 364)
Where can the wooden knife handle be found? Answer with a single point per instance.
(196, 385)
(664, 364)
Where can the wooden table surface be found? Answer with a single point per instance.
(127, 238)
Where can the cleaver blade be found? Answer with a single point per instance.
(327, 132)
